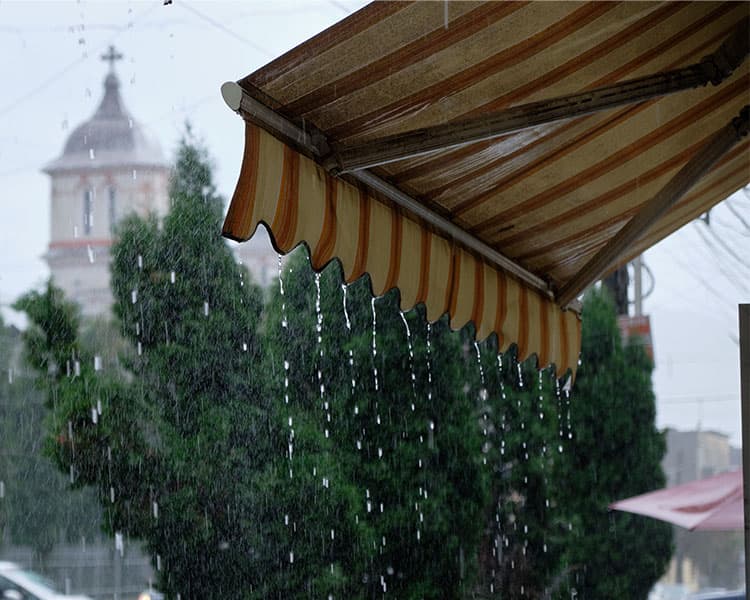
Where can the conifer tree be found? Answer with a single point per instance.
(616, 454)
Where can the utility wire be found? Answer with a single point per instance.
(65, 70)
(731, 277)
(736, 213)
(225, 29)
(707, 286)
(726, 246)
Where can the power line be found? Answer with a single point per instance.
(731, 277)
(698, 399)
(65, 70)
(736, 213)
(726, 247)
(225, 29)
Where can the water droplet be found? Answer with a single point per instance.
(91, 154)
(172, 277)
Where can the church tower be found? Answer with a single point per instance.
(108, 169)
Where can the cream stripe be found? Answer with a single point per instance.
(510, 326)
(534, 343)
(312, 202)
(465, 292)
(347, 227)
(440, 260)
(270, 167)
(490, 302)
(380, 246)
(408, 279)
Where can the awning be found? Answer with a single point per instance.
(713, 504)
(493, 159)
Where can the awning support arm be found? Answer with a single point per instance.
(714, 68)
(315, 145)
(652, 210)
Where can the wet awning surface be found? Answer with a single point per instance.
(503, 231)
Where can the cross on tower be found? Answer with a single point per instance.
(111, 56)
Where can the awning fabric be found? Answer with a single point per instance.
(299, 202)
(713, 504)
(548, 197)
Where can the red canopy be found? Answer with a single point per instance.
(713, 504)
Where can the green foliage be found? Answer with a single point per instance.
(403, 455)
(35, 508)
(331, 445)
(617, 454)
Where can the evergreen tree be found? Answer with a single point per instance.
(173, 435)
(334, 446)
(616, 454)
(36, 509)
(395, 427)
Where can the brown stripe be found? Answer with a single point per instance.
(543, 353)
(564, 355)
(478, 307)
(352, 25)
(502, 307)
(239, 217)
(363, 236)
(401, 58)
(287, 206)
(476, 73)
(327, 241)
(394, 262)
(555, 153)
(451, 294)
(615, 160)
(605, 198)
(673, 222)
(612, 77)
(663, 231)
(523, 323)
(582, 60)
(424, 265)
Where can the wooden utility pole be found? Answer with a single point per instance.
(744, 318)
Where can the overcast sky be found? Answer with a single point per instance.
(176, 58)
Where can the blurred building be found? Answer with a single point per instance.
(698, 454)
(109, 168)
(702, 558)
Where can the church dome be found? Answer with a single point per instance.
(110, 138)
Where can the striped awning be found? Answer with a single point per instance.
(500, 230)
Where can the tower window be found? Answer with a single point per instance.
(112, 209)
(88, 212)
